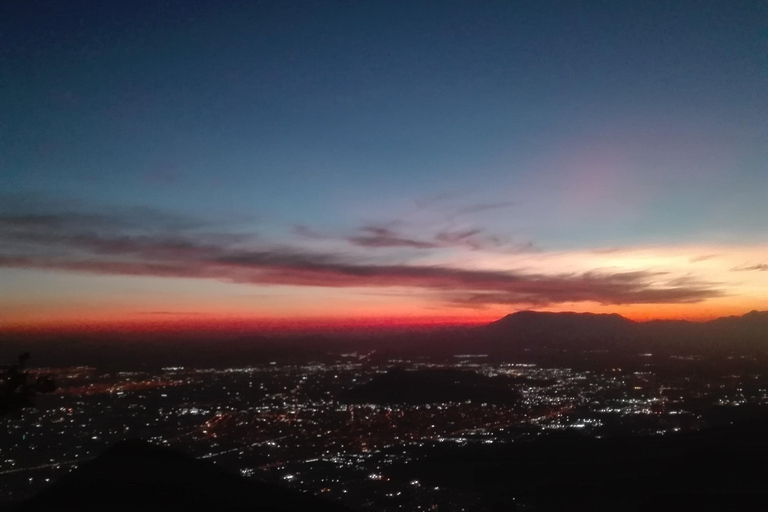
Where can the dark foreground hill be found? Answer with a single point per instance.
(720, 470)
(136, 476)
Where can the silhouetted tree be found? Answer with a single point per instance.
(16, 390)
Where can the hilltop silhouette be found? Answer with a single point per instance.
(399, 386)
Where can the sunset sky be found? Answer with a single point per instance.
(182, 164)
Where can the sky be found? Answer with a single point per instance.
(179, 164)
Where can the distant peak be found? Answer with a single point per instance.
(529, 313)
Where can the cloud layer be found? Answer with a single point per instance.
(163, 246)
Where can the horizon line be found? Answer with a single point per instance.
(181, 322)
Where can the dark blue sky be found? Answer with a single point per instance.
(590, 124)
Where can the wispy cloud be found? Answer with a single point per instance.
(704, 257)
(307, 232)
(449, 204)
(762, 267)
(386, 236)
(476, 239)
(373, 236)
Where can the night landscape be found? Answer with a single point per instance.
(383, 256)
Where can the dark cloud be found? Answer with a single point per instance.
(48, 221)
(430, 200)
(65, 243)
(129, 219)
(457, 237)
(451, 210)
(604, 293)
(762, 267)
(373, 236)
(475, 239)
(307, 232)
(703, 257)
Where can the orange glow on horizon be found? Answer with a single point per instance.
(232, 324)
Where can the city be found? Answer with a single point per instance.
(303, 426)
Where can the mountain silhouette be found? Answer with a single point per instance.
(562, 327)
(543, 331)
(134, 475)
